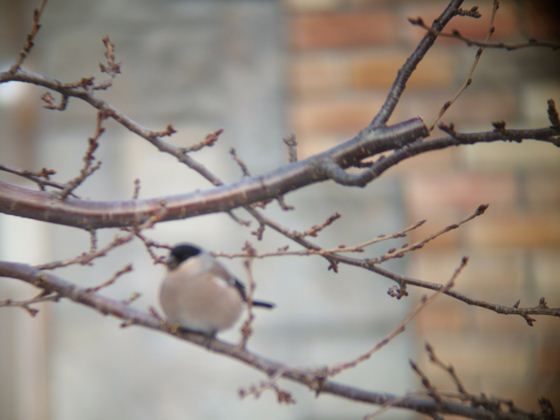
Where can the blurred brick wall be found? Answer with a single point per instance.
(344, 56)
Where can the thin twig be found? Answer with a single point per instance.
(267, 186)
(334, 259)
(282, 396)
(313, 231)
(30, 41)
(109, 282)
(95, 252)
(401, 251)
(240, 163)
(283, 205)
(404, 73)
(110, 67)
(136, 191)
(208, 141)
(43, 296)
(50, 102)
(90, 164)
(430, 388)
(41, 178)
(150, 244)
(292, 144)
(93, 240)
(425, 301)
(469, 77)
(134, 296)
(87, 258)
(168, 131)
(246, 328)
(447, 368)
(455, 34)
(552, 113)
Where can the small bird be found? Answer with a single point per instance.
(199, 294)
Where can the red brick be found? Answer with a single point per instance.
(443, 315)
(379, 70)
(506, 23)
(339, 30)
(530, 155)
(435, 222)
(429, 163)
(535, 229)
(318, 75)
(546, 265)
(485, 320)
(434, 267)
(474, 107)
(483, 106)
(306, 6)
(496, 277)
(463, 191)
(548, 357)
(375, 71)
(479, 356)
(542, 189)
(311, 145)
(536, 92)
(547, 324)
(345, 116)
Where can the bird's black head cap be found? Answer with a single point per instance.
(180, 253)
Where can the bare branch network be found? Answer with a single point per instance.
(354, 162)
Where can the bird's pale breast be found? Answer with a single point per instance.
(203, 302)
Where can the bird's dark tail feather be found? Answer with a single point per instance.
(261, 304)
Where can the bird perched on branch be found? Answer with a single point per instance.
(199, 294)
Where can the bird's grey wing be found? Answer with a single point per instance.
(220, 271)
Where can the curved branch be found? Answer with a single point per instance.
(401, 137)
(307, 377)
(549, 135)
(98, 214)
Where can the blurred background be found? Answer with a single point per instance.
(263, 70)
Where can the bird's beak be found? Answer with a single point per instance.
(171, 262)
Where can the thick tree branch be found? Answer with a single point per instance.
(97, 214)
(401, 137)
(307, 377)
(30, 41)
(549, 135)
